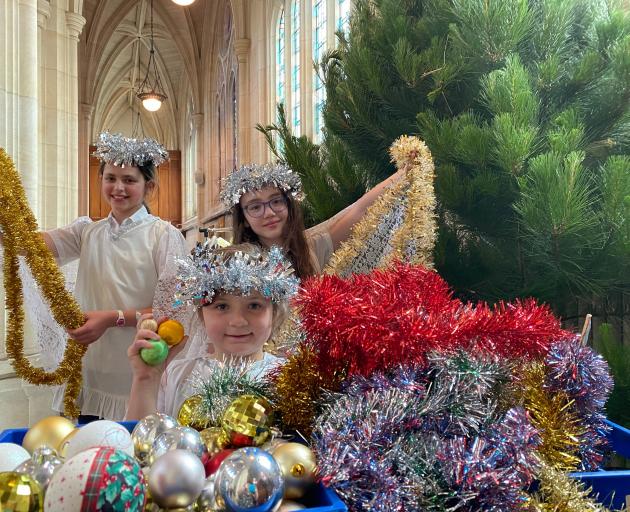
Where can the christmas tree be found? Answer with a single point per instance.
(525, 105)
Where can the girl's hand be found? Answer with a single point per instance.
(96, 323)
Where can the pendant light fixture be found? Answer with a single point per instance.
(183, 2)
(151, 91)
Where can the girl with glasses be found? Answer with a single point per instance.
(265, 210)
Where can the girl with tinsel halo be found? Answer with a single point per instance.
(241, 293)
(265, 210)
(125, 268)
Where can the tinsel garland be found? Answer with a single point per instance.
(21, 235)
(400, 224)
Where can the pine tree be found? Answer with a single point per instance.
(525, 105)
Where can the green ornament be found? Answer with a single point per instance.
(155, 355)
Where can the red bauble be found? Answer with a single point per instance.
(212, 463)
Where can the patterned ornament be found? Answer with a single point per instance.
(177, 438)
(298, 466)
(100, 433)
(49, 431)
(145, 432)
(20, 493)
(248, 420)
(249, 479)
(97, 479)
(190, 413)
(176, 479)
(41, 466)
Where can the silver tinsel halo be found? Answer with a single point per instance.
(251, 177)
(114, 148)
(206, 272)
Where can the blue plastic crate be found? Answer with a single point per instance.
(319, 499)
(611, 487)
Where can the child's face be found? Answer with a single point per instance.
(123, 188)
(238, 325)
(266, 213)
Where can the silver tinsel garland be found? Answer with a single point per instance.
(113, 148)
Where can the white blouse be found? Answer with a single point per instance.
(178, 380)
(126, 266)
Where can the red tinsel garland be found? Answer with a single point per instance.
(377, 321)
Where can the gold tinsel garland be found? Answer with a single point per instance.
(414, 240)
(21, 235)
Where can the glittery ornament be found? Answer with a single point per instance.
(122, 151)
(214, 439)
(176, 479)
(252, 177)
(177, 438)
(145, 432)
(21, 236)
(249, 479)
(20, 493)
(50, 431)
(297, 464)
(41, 466)
(247, 421)
(190, 413)
(206, 272)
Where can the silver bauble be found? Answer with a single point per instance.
(177, 438)
(176, 479)
(206, 501)
(41, 466)
(146, 431)
(249, 480)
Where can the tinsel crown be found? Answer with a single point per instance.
(207, 271)
(114, 148)
(251, 177)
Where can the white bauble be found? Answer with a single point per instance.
(100, 433)
(11, 456)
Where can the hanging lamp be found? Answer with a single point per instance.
(151, 92)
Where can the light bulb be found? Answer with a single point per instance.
(152, 104)
(183, 2)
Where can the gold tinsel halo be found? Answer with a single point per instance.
(21, 235)
(401, 222)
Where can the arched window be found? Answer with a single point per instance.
(343, 15)
(280, 56)
(319, 48)
(296, 103)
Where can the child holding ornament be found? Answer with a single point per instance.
(124, 270)
(265, 210)
(242, 293)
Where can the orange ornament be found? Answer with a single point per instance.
(171, 331)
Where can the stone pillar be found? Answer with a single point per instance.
(199, 175)
(245, 131)
(85, 139)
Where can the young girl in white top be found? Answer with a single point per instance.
(265, 210)
(123, 269)
(243, 294)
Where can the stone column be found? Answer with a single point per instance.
(241, 49)
(85, 139)
(199, 175)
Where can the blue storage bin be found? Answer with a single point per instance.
(611, 487)
(320, 499)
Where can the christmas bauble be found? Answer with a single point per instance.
(149, 324)
(64, 444)
(214, 439)
(41, 466)
(156, 354)
(97, 479)
(290, 506)
(50, 431)
(297, 463)
(176, 479)
(100, 433)
(20, 493)
(177, 438)
(247, 421)
(213, 463)
(206, 502)
(145, 432)
(271, 445)
(171, 331)
(249, 479)
(190, 413)
(11, 456)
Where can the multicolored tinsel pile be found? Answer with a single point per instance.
(417, 401)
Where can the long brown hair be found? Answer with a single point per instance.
(294, 240)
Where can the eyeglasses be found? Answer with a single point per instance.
(257, 209)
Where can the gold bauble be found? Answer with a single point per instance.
(215, 440)
(247, 421)
(64, 444)
(20, 493)
(50, 431)
(190, 413)
(171, 331)
(290, 506)
(298, 465)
